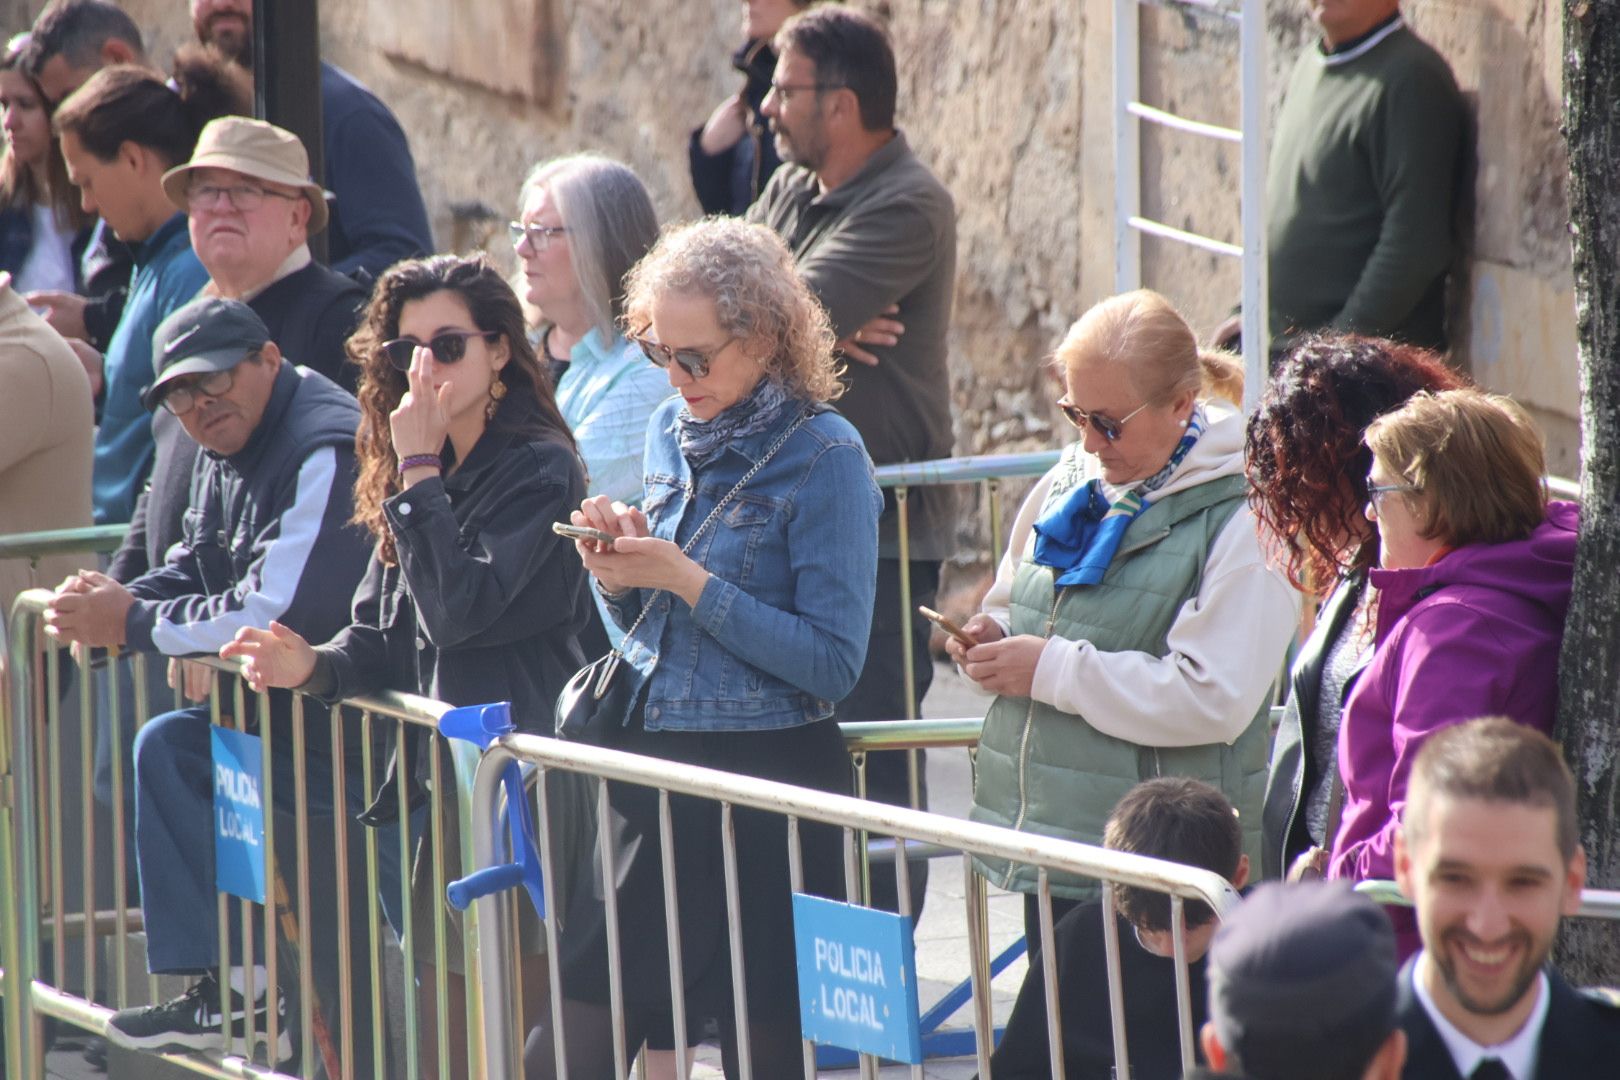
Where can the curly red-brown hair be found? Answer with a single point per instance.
(1307, 463)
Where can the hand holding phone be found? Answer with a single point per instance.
(947, 625)
(582, 532)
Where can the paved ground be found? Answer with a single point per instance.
(942, 956)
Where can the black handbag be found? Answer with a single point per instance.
(597, 697)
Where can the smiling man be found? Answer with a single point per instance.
(1488, 853)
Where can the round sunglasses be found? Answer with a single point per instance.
(1105, 426)
(447, 347)
(695, 362)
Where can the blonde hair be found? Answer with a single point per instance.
(757, 293)
(1476, 460)
(1144, 332)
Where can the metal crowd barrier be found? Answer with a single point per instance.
(34, 801)
(854, 816)
(39, 790)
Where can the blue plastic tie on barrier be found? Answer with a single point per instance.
(482, 725)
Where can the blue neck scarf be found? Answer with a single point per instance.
(702, 441)
(1079, 536)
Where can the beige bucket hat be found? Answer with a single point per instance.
(253, 148)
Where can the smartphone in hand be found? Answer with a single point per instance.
(946, 625)
(582, 532)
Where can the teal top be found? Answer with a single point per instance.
(607, 395)
(167, 274)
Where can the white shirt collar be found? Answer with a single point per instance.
(1518, 1054)
(1372, 42)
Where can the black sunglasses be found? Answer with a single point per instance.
(447, 348)
(1105, 426)
(695, 362)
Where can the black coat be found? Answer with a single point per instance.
(1580, 1040)
(1292, 772)
(486, 602)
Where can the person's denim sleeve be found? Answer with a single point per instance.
(820, 645)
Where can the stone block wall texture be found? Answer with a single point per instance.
(1010, 102)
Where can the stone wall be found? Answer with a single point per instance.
(1010, 101)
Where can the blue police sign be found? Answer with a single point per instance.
(239, 858)
(857, 978)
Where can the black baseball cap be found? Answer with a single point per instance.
(211, 334)
(1302, 972)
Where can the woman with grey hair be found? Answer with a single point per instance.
(585, 221)
(745, 590)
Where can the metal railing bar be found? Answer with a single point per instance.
(1116, 989)
(1188, 126)
(847, 812)
(1049, 975)
(966, 470)
(35, 545)
(864, 735)
(1192, 239)
(1178, 939)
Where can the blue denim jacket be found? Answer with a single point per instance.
(779, 633)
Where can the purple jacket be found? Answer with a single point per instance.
(1475, 634)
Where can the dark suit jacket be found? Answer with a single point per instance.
(1580, 1040)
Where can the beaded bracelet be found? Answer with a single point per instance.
(419, 461)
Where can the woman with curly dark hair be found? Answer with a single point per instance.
(465, 463)
(1307, 469)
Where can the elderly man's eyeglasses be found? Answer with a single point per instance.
(538, 236)
(695, 362)
(245, 198)
(447, 348)
(183, 398)
(1106, 426)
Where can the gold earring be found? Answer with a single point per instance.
(497, 390)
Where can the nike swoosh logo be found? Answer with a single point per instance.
(181, 340)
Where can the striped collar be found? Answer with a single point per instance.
(1361, 48)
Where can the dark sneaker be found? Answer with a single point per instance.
(192, 1022)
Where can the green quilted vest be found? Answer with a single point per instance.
(1049, 772)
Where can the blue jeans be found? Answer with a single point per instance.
(174, 841)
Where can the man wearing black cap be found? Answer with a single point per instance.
(1489, 853)
(1302, 984)
(271, 490)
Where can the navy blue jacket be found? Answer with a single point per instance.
(267, 535)
(378, 216)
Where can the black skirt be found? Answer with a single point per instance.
(812, 756)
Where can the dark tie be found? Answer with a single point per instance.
(1490, 1069)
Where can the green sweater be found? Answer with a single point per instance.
(1362, 190)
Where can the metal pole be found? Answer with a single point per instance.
(20, 917)
(287, 80)
(1127, 148)
(1256, 305)
(497, 984)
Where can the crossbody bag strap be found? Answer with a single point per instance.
(686, 548)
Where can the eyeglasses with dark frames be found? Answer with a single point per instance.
(695, 362)
(538, 236)
(447, 347)
(245, 198)
(183, 398)
(1106, 426)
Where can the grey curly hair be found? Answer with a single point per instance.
(758, 296)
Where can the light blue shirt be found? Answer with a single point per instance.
(608, 395)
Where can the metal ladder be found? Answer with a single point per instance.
(1130, 112)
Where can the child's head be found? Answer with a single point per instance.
(1184, 821)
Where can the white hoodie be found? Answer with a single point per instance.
(1225, 648)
